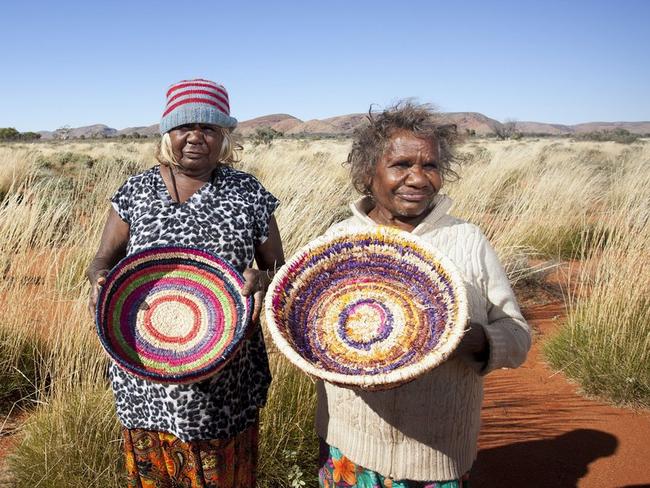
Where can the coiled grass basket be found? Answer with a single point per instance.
(172, 314)
(371, 309)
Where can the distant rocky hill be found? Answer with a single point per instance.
(559, 129)
(542, 128)
(346, 124)
(280, 122)
(473, 122)
(89, 131)
(143, 131)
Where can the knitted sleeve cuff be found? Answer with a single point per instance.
(509, 344)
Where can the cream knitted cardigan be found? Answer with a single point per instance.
(427, 430)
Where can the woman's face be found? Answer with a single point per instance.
(196, 147)
(406, 178)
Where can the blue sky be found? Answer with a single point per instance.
(78, 63)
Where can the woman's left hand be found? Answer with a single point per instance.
(255, 283)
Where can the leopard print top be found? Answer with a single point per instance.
(228, 216)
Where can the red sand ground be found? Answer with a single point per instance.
(538, 432)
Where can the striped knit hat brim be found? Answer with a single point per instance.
(196, 101)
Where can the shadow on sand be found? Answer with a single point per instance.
(558, 462)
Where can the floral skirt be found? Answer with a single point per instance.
(161, 460)
(336, 471)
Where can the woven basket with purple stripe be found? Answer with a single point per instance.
(371, 309)
(172, 314)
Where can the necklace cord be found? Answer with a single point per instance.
(213, 177)
(178, 198)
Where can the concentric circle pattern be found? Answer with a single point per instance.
(172, 314)
(369, 309)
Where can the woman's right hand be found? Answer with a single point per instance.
(97, 280)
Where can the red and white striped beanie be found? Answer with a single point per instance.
(196, 102)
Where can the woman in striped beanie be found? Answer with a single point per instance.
(206, 433)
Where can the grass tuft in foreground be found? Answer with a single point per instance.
(73, 440)
(19, 359)
(605, 343)
(288, 442)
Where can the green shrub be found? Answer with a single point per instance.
(605, 343)
(9, 134)
(44, 162)
(265, 135)
(64, 160)
(603, 360)
(77, 159)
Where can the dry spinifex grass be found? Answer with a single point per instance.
(547, 198)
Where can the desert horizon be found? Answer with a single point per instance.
(344, 125)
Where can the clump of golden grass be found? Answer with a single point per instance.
(310, 182)
(605, 345)
(16, 168)
(288, 442)
(544, 198)
(49, 355)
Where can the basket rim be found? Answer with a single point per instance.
(395, 377)
(155, 252)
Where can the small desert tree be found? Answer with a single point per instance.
(507, 130)
(8, 134)
(265, 135)
(62, 133)
(29, 136)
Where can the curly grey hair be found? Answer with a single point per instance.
(370, 139)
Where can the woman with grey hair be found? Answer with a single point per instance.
(206, 433)
(423, 433)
